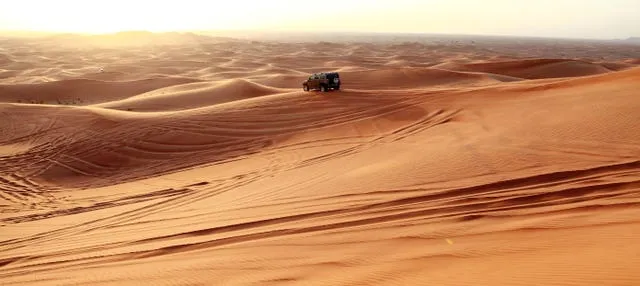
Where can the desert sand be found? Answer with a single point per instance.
(176, 159)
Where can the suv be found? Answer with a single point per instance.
(322, 81)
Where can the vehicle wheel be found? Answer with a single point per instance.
(305, 88)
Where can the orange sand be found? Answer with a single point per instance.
(205, 163)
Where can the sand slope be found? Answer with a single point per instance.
(426, 169)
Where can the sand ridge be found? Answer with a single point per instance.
(193, 160)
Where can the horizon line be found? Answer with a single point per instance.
(284, 31)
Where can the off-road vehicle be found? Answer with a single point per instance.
(323, 81)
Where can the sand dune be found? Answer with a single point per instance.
(394, 78)
(617, 66)
(5, 60)
(82, 91)
(202, 163)
(408, 78)
(533, 69)
(194, 95)
(633, 61)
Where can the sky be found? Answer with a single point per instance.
(599, 19)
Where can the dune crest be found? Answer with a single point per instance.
(180, 97)
(194, 160)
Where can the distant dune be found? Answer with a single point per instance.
(634, 61)
(534, 68)
(182, 159)
(633, 39)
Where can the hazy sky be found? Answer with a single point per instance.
(554, 18)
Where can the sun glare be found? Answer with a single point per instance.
(120, 15)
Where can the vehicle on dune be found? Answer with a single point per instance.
(323, 81)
